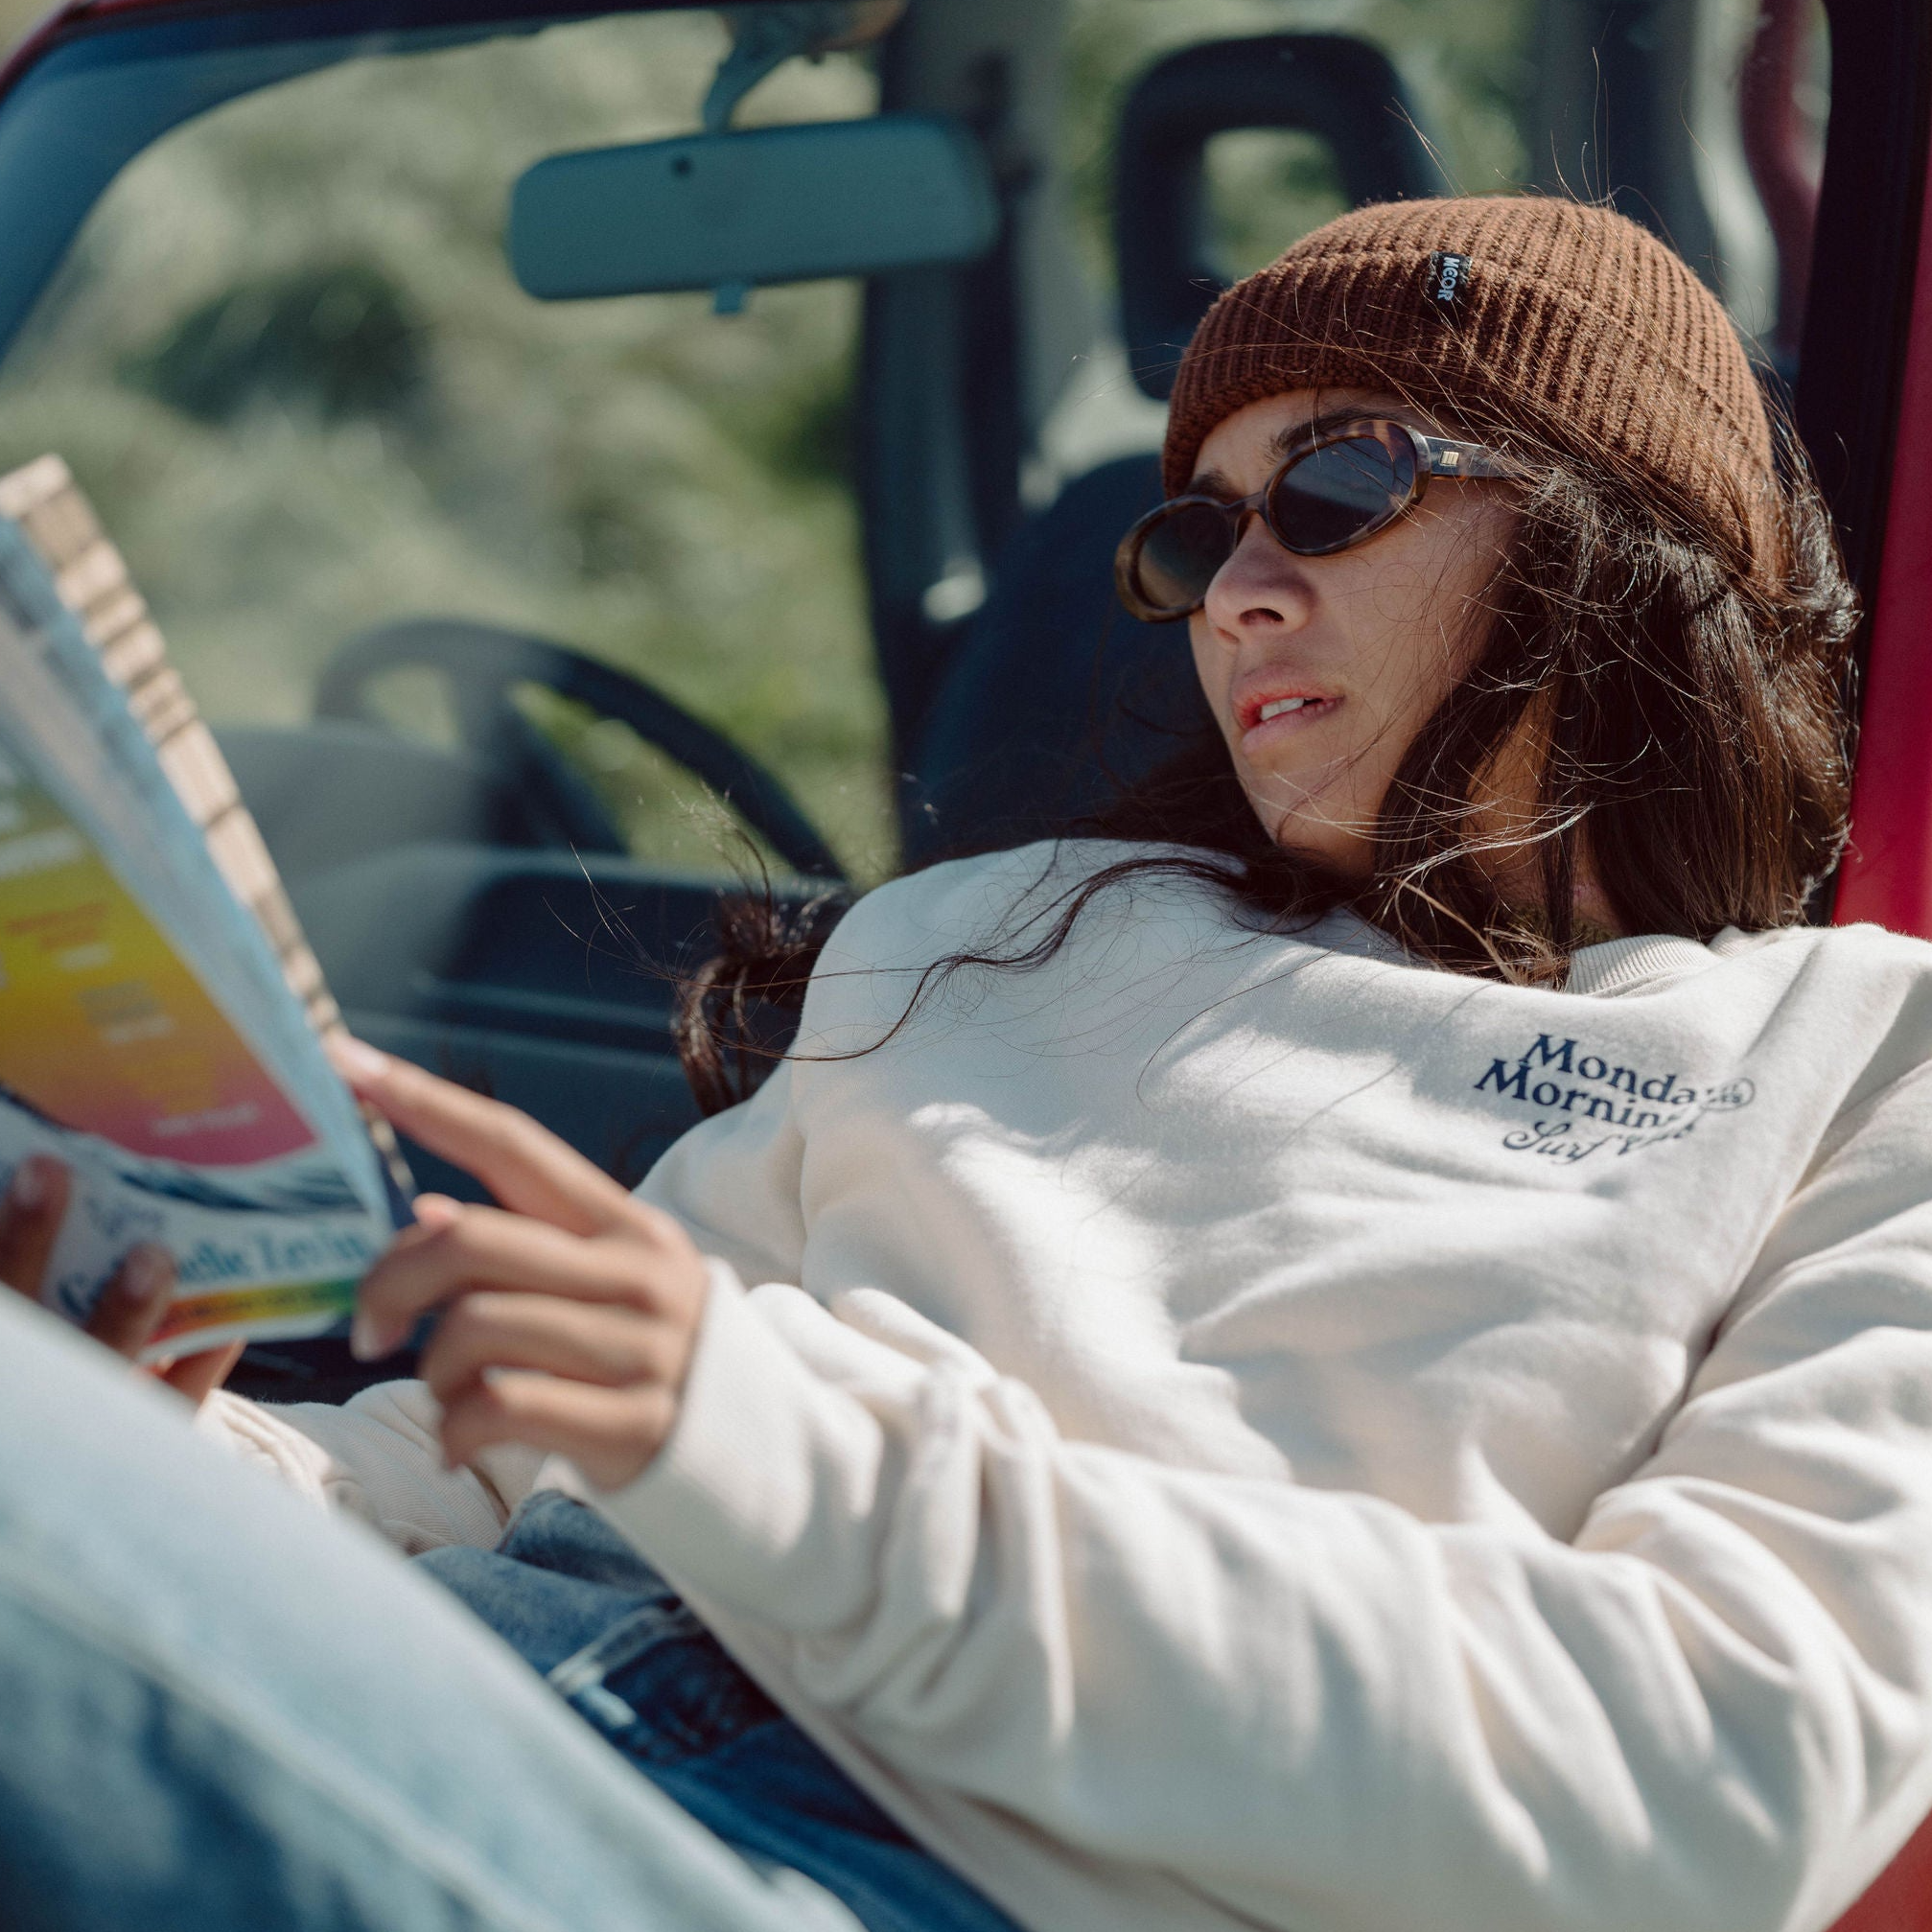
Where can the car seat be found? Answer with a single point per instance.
(1055, 697)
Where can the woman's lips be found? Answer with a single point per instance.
(1276, 716)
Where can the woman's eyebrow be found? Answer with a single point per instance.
(1282, 443)
(1210, 483)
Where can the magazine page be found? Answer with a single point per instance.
(115, 1058)
(97, 762)
(92, 582)
(148, 1036)
(90, 597)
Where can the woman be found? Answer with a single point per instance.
(1350, 1348)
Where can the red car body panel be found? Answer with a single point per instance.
(1887, 877)
(1901, 1898)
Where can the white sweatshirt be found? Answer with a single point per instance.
(1232, 1430)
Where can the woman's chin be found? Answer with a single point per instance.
(1298, 793)
(1308, 830)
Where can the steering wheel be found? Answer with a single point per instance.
(484, 662)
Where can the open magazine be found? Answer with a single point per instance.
(160, 1012)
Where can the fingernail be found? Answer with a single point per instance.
(356, 1059)
(30, 1186)
(146, 1273)
(365, 1338)
(435, 1210)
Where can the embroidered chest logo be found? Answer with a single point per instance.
(1585, 1103)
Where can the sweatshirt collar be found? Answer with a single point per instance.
(1619, 965)
(1613, 967)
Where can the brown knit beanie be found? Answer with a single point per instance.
(1568, 325)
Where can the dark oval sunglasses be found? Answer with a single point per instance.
(1346, 482)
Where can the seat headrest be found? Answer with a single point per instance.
(1056, 698)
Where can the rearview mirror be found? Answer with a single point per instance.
(763, 204)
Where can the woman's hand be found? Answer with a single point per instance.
(136, 1296)
(570, 1312)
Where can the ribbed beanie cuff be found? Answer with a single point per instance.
(1570, 326)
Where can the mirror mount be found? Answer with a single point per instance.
(766, 37)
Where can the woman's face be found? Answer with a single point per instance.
(1370, 638)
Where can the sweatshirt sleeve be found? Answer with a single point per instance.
(736, 1182)
(1712, 1708)
(733, 1181)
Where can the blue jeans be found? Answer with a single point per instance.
(222, 1711)
(617, 1643)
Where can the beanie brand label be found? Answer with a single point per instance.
(1448, 279)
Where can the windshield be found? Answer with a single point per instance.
(287, 362)
(287, 358)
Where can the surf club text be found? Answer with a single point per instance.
(1588, 1101)
(1552, 1073)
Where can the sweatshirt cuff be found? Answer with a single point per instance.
(766, 1480)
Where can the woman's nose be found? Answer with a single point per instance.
(1262, 586)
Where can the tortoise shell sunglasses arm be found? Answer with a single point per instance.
(1446, 459)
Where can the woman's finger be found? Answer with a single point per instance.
(31, 1213)
(610, 1433)
(525, 1166)
(133, 1301)
(610, 1347)
(197, 1375)
(485, 1248)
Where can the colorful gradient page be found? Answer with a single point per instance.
(103, 1027)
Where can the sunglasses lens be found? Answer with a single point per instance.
(1338, 494)
(1179, 552)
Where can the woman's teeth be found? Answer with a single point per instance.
(1275, 707)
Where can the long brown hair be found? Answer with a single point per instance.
(1682, 704)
